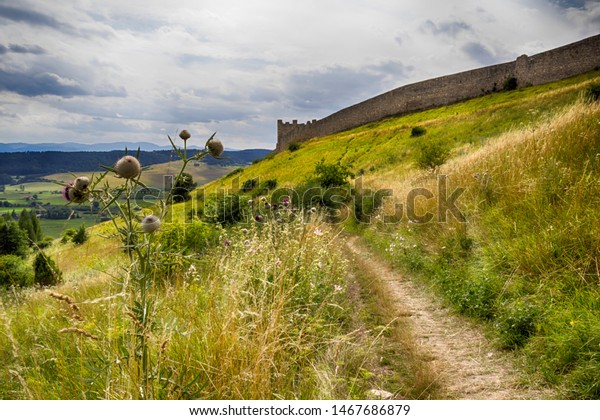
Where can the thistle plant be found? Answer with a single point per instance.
(136, 232)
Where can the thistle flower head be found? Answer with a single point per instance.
(150, 224)
(184, 135)
(73, 194)
(215, 148)
(128, 167)
(81, 183)
(65, 191)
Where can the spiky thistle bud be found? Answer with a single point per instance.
(150, 224)
(215, 148)
(185, 135)
(128, 167)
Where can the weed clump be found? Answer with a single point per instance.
(418, 131)
(592, 93)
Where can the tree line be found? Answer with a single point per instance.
(40, 163)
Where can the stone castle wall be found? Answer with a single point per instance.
(549, 66)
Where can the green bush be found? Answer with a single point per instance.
(68, 236)
(199, 236)
(431, 155)
(510, 83)
(14, 271)
(293, 147)
(184, 185)
(226, 209)
(269, 184)
(249, 185)
(418, 131)
(12, 239)
(331, 175)
(593, 92)
(80, 236)
(46, 272)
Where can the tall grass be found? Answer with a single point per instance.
(526, 261)
(261, 316)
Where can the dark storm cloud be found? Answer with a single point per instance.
(39, 84)
(22, 49)
(28, 16)
(34, 18)
(479, 53)
(451, 28)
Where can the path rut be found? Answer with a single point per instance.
(468, 364)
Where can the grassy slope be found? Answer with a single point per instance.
(526, 262)
(467, 266)
(387, 145)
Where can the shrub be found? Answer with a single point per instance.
(593, 92)
(68, 235)
(80, 235)
(331, 175)
(237, 171)
(12, 239)
(14, 271)
(418, 131)
(46, 273)
(269, 184)
(431, 155)
(226, 209)
(510, 83)
(249, 185)
(184, 184)
(293, 147)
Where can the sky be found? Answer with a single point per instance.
(99, 71)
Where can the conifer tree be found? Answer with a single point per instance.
(46, 272)
(37, 227)
(26, 226)
(12, 239)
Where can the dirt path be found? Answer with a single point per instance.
(468, 365)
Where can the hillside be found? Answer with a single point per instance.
(508, 235)
(303, 275)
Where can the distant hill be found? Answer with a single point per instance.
(79, 147)
(50, 162)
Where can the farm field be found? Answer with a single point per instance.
(19, 195)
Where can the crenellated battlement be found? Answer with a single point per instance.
(559, 63)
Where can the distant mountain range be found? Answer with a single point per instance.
(78, 147)
(39, 163)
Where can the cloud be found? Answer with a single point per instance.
(450, 28)
(39, 84)
(22, 49)
(236, 67)
(335, 87)
(31, 17)
(478, 52)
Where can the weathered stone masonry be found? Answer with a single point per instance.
(549, 66)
